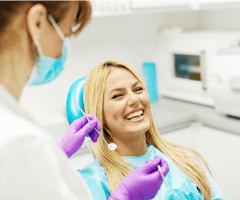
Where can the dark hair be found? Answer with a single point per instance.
(9, 10)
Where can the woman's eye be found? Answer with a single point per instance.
(139, 89)
(116, 96)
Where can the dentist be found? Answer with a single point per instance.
(34, 45)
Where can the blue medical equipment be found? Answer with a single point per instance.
(150, 74)
(75, 106)
(75, 93)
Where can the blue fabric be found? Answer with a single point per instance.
(179, 185)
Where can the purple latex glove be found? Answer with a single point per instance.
(75, 136)
(139, 186)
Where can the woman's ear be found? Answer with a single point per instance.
(36, 17)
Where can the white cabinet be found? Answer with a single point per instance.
(182, 137)
(212, 2)
(142, 4)
(220, 149)
(109, 8)
(126, 7)
(193, 4)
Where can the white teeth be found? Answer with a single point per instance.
(134, 114)
(136, 118)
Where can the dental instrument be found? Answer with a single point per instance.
(111, 146)
(160, 170)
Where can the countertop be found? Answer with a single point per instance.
(171, 114)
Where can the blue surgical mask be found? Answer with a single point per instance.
(47, 69)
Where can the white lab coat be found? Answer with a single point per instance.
(31, 165)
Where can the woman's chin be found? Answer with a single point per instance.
(140, 129)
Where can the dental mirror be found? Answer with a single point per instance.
(111, 146)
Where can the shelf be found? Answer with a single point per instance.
(129, 7)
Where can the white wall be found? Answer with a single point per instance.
(222, 19)
(131, 39)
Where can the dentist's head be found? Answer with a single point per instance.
(34, 38)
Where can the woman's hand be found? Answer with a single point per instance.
(143, 183)
(76, 133)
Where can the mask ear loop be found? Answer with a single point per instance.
(38, 45)
(51, 19)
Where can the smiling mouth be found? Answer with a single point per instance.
(135, 116)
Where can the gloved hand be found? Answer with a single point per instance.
(139, 186)
(75, 136)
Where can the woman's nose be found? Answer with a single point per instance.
(133, 100)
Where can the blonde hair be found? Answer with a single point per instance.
(114, 165)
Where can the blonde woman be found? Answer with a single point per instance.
(116, 95)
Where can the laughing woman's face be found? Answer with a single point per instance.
(126, 105)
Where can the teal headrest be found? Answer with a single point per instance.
(75, 94)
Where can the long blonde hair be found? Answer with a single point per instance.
(114, 165)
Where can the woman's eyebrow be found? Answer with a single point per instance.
(121, 89)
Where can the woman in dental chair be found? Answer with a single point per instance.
(116, 95)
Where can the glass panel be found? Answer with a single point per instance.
(187, 67)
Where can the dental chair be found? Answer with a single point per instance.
(75, 93)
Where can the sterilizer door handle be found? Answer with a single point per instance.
(203, 69)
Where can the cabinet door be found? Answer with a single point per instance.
(182, 137)
(221, 150)
(212, 2)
